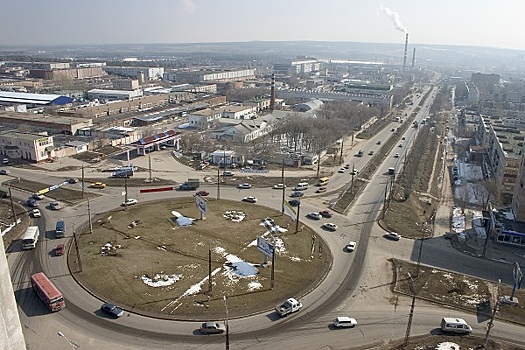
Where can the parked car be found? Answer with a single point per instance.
(325, 214)
(371, 153)
(213, 328)
(4, 172)
(54, 206)
(342, 170)
(202, 193)
(330, 226)
(393, 236)
(396, 155)
(354, 172)
(59, 250)
(244, 185)
(279, 186)
(38, 196)
(350, 247)
(111, 310)
(314, 215)
(294, 202)
(378, 142)
(400, 145)
(36, 213)
(97, 185)
(321, 190)
(403, 138)
(296, 194)
(347, 166)
(31, 202)
(250, 199)
(129, 201)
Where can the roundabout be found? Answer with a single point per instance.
(156, 259)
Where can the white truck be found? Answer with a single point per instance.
(291, 305)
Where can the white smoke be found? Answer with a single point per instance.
(188, 5)
(394, 16)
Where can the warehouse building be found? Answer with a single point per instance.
(33, 100)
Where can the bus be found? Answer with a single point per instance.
(47, 292)
(30, 237)
(323, 181)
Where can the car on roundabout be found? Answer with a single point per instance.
(202, 193)
(55, 206)
(321, 190)
(213, 328)
(31, 202)
(294, 202)
(38, 196)
(314, 215)
(36, 213)
(344, 322)
(98, 185)
(325, 214)
(330, 226)
(296, 194)
(112, 310)
(393, 236)
(244, 186)
(59, 250)
(279, 186)
(350, 247)
(129, 201)
(250, 199)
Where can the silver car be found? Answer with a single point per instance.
(213, 328)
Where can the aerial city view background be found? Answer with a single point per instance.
(199, 174)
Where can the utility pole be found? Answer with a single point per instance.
(284, 188)
(491, 322)
(76, 248)
(218, 182)
(411, 314)
(272, 276)
(210, 284)
(318, 163)
(341, 155)
(149, 161)
(89, 216)
(82, 180)
(297, 218)
(227, 325)
(125, 193)
(12, 204)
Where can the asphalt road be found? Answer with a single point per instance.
(358, 284)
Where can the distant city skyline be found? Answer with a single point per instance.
(446, 22)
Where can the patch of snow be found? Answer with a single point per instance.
(160, 280)
(184, 221)
(294, 258)
(448, 346)
(235, 216)
(254, 285)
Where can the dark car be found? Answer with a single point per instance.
(112, 310)
(202, 193)
(294, 202)
(59, 250)
(325, 214)
(33, 203)
(296, 194)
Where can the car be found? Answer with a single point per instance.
(393, 129)
(5, 160)
(347, 166)
(330, 226)
(250, 199)
(321, 190)
(213, 328)
(371, 153)
(296, 194)
(32, 203)
(72, 180)
(36, 213)
(354, 172)
(396, 155)
(344, 322)
(228, 173)
(129, 201)
(111, 310)
(59, 250)
(314, 215)
(325, 214)
(294, 202)
(393, 236)
(350, 247)
(202, 193)
(37, 196)
(403, 138)
(55, 206)
(279, 186)
(378, 142)
(244, 185)
(4, 172)
(400, 145)
(98, 185)
(342, 170)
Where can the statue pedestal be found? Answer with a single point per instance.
(506, 300)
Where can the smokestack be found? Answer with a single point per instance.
(272, 93)
(405, 55)
(414, 57)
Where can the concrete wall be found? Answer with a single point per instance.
(11, 336)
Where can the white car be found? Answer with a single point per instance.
(250, 199)
(129, 201)
(344, 322)
(342, 170)
(396, 155)
(314, 215)
(330, 226)
(393, 236)
(279, 186)
(244, 186)
(350, 247)
(36, 213)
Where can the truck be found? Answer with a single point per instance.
(290, 306)
(190, 185)
(124, 172)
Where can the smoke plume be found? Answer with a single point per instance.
(394, 16)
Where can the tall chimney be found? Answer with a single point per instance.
(405, 55)
(272, 93)
(414, 57)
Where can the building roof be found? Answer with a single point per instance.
(36, 99)
(25, 136)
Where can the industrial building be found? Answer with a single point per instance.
(142, 73)
(113, 95)
(297, 66)
(198, 76)
(53, 124)
(33, 100)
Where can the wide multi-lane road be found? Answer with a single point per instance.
(358, 284)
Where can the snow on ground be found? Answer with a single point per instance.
(477, 224)
(254, 285)
(458, 223)
(466, 188)
(235, 216)
(160, 280)
(448, 346)
(181, 219)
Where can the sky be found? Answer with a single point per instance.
(449, 22)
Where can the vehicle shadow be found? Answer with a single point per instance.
(29, 302)
(101, 314)
(14, 246)
(273, 316)
(50, 234)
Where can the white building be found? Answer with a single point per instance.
(113, 95)
(150, 73)
(125, 84)
(32, 147)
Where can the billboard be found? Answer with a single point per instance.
(265, 247)
(201, 204)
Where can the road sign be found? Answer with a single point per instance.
(265, 247)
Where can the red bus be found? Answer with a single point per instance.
(47, 291)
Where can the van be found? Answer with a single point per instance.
(60, 229)
(344, 322)
(455, 325)
(301, 186)
(391, 171)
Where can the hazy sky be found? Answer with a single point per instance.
(457, 22)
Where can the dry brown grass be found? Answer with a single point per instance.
(117, 278)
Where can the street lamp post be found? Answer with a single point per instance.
(73, 345)
(226, 325)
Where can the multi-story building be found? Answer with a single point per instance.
(113, 95)
(32, 147)
(197, 76)
(125, 84)
(297, 67)
(149, 73)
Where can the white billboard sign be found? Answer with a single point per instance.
(265, 247)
